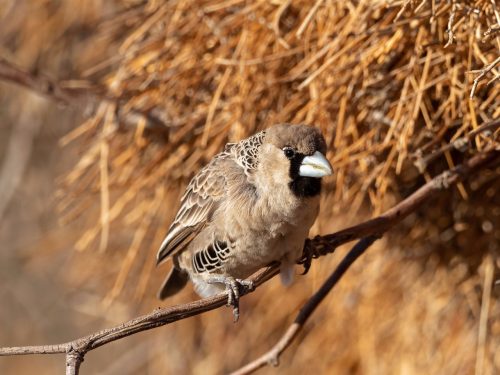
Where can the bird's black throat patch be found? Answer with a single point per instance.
(306, 186)
(302, 186)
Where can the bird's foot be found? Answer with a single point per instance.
(307, 257)
(314, 248)
(233, 289)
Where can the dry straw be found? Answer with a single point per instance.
(388, 83)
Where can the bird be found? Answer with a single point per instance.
(252, 204)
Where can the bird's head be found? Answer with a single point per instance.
(295, 154)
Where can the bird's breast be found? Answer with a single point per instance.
(263, 235)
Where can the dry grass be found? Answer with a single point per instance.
(389, 85)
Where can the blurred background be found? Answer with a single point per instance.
(148, 91)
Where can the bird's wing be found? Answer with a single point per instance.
(202, 197)
(205, 192)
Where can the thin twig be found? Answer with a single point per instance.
(271, 357)
(492, 30)
(451, 19)
(459, 144)
(39, 83)
(482, 73)
(319, 246)
(76, 96)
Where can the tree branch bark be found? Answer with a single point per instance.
(319, 246)
(73, 361)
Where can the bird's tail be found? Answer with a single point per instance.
(174, 282)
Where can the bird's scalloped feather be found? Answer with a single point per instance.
(205, 193)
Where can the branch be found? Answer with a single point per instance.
(319, 246)
(40, 83)
(458, 144)
(272, 356)
(73, 361)
(451, 18)
(488, 68)
(76, 96)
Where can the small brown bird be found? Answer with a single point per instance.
(253, 204)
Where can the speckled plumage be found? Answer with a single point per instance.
(247, 208)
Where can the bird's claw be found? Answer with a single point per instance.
(307, 257)
(233, 291)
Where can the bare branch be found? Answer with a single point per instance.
(146, 322)
(39, 83)
(76, 96)
(451, 19)
(459, 144)
(488, 68)
(73, 361)
(492, 30)
(319, 246)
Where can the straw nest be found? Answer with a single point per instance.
(388, 82)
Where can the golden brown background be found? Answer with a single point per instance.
(88, 189)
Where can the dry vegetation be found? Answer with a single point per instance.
(389, 83)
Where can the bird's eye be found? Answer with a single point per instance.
(289, 152)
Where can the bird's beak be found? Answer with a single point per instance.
(315, 165)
